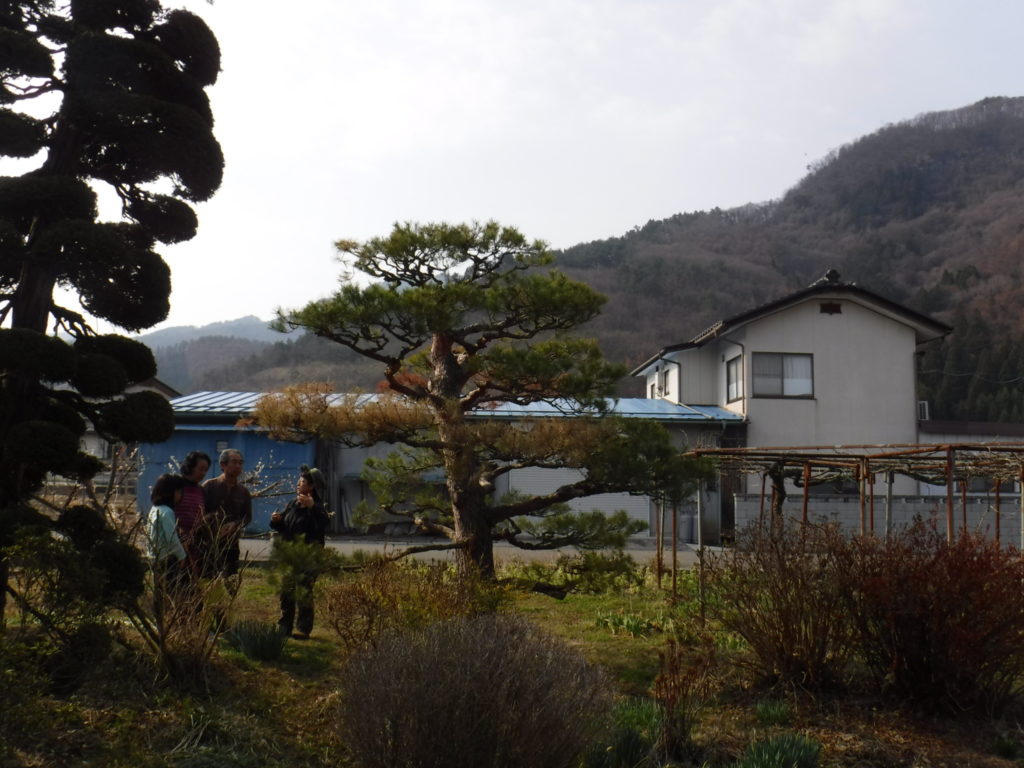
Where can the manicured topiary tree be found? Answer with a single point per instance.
(93, 94)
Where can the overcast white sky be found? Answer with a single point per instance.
(574, 120)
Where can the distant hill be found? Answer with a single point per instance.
(929, 212)
(250, 328)
(217, 362)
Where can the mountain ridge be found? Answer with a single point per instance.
(928, 212)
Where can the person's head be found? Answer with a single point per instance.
(311, 481)
(167, 490)
(231, 463)
(195, 466)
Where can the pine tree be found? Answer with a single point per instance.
(464, 320)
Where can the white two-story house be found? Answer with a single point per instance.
(831, 364)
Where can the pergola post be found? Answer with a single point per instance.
(999, 484)
(870, 480)
(963, 504)
(860, 491)
(949, 494)
(888, 503)
(1022, 510)
(659, 532)
(675, 548)
(807, 488)
(700, 548)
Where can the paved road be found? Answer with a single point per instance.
(643, 550)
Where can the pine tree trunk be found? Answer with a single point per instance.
(462, 469)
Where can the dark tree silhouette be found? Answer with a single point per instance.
(95, 94)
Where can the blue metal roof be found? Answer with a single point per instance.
(629, 407)
(241, 403)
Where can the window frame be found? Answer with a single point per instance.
(734, 365)
(782, 376)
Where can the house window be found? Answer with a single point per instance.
(663, 383)
(782, 375)
(734, 379)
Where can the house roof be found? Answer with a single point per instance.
(629, 407)
(926, 328)
(235, 405)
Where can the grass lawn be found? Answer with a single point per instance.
(283, 712)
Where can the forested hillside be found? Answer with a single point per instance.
(235, 364)
(929, 212)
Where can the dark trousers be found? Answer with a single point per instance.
(297, 593)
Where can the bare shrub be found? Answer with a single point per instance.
(939, 624)
(361, 607)
(782, 591)
(477, 692)
(681, 689)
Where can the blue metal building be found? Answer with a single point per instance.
(206, 421)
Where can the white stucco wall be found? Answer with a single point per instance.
(979, 513)
(863, 378)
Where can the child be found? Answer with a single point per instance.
(161, 526)
(170, 564)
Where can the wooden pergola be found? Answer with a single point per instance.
(949, 464)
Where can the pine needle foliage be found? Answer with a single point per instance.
(468, 321)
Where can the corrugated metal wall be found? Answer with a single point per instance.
(276, 462)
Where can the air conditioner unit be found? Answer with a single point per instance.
(922, 410)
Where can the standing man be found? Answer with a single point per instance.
(228, 511)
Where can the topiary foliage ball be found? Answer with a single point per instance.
(84, 467)
(65, 415)
(133, 356)
(123, 568)
(23, 198)
(99, 376)
(36, 354)
(20, 135)
(18, 517)
(169, 220)
(41, 444)
(141, 417)
(84, 525)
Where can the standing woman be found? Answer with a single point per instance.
(190, 511)
(304, 519)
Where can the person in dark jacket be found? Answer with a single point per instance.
(304, 520)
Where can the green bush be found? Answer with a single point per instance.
(773, 712)
(635, 726)
(257, 639)
(787, 750)
(486, 691)
(588, 572)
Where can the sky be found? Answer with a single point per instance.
(573, 120)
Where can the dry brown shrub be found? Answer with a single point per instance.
(481, 692)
